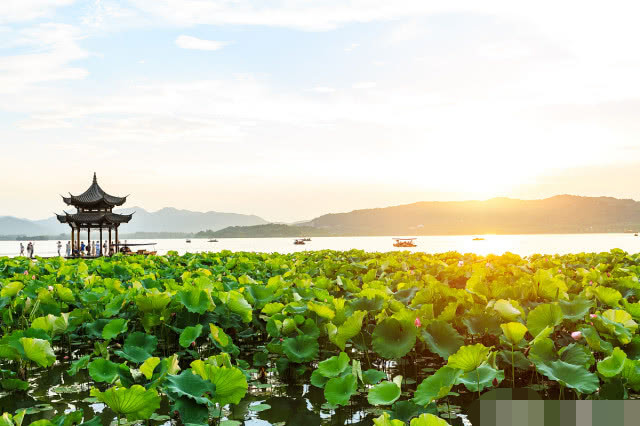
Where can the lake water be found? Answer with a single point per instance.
(523, 245)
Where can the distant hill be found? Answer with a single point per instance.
(167, 220)
(559, 214)
(264, 231)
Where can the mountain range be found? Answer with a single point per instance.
(165, 220)
(559, 214)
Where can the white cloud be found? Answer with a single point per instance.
(351, 47)
(323, 89)
(188, 42)
(25, 10)
(364, 85)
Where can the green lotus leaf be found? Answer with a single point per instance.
(372, 376)
(14, 384)
(506, 309)
(545, 315)
(385, 420)
(38, 351)
(114, 328)
(347, 330)
(543, 351)
(231, 384)
(607, 295)
(219, 336)
(138, 347)
(288, 326)
(191, 413)
(64, 294)
(11, 289)
(237, 303)
(436, 386)
(136, 402)
(385, 393)
(103, 370)
(621, 317)
(272, 308)
(318, 380)
(576, 354)
(334, 366)
(190, 385)
(612, 365)
(631, 374)
(189, 335)
(483, 376)
(576, 309)
(594, 340)
(470, 357)
(78, 365)
(406, 410)
(514, 332)
(52, 324)
(195, 300)
(518, 358)
(545, 333)
(16, 420)
(482, 323)
(149, 366)
(442, 339)
(259, 295)
(301, 348)
(338, 390)
(428, 420)
(152, 301)
(321, 310)
(570, 375)
(393, 339)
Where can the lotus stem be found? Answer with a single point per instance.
(513, 375)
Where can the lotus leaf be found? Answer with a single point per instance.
(576, 354)
(607, 295)
(189, 335)
(14, 384)
(195, 300)
(372, 377)
(545, 315)
(570, 375)
(114, 328)
(138, 347)
(612, 365)
(385, 420)
(470, 357)
(78, 365)
(136, 402)
(11, 289)
(339, 390)
(230, 383)
(436, 386)
(594, 340)
(483, 377)
(238, 304)
(576, 309)
(152, 301)
(102, 370)
(482, 323)
(191, 413)
(301, 348)
(149, 366)
(385, 393)
(334, 366)
(321, 310)
(219, 336)
(393, 339)
(506, 309)
(514, 332)
(428, 420)
(349, 329)
(38, 351)
(190, 385)
(442, 338)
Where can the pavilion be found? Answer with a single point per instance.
(94, 210)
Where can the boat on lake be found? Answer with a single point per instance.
(404, 242)
(299, 242)
(213, 241)
(478, 239)
(188, 241)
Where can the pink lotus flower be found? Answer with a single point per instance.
(608, 274)
(66, 357)
(33, 277)
(590, 282)
(593, 315)
(417, 323)
(460, 264)
(559, 271)
(50, 288)
(26, 272)
(193, 344)
(591, 323)
(576, 335)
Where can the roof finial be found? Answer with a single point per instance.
(95, 179)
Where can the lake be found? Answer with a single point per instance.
(523, 245)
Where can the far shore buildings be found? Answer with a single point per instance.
(94, 210)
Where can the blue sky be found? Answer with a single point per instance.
(292, 109)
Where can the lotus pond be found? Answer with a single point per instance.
(310, 338)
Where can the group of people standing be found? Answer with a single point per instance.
(90, 249)
(30, 249)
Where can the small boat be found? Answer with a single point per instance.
(213, 241)
(635, 235)
(306, 239)
(299, 242)
(404, 242)
(478, 239)
(188, 241)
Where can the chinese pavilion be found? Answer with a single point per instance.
(94, 211)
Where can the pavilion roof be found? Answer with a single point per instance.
(106, 218)
(94, 197)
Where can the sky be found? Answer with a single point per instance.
(290, 109)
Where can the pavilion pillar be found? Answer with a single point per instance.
(89, 240)
(101, 253)
(78, 238)
(72, 242)
(117, 241)
(109, 248)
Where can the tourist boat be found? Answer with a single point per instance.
(188, 241)
(306, 239)
(635, 235)
(404, 242)
(299, 242)
(213, 241)
(478, 239)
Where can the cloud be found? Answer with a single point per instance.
(351, 47)
(364, 85)
(26, 10)
(323, 89)
(188, 42)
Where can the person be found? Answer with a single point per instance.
(21, 249)
(82, 247)
(31, 249)
(68, 249)
(59, 245)
(104, 248)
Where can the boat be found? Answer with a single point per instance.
(306, 239)
(213, 241)
(404, 242)
(126, 249)
(188, 241)
(299, 242)
(478, 239)
(635, 235)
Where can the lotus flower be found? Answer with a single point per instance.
(593, 315)
(66, 357)
(33, 277)
(417, 323)
(608, 274)
(26, 272)
(50, 288)
(590, 282)
(495, 381)
(576, 335)
(460, 264)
